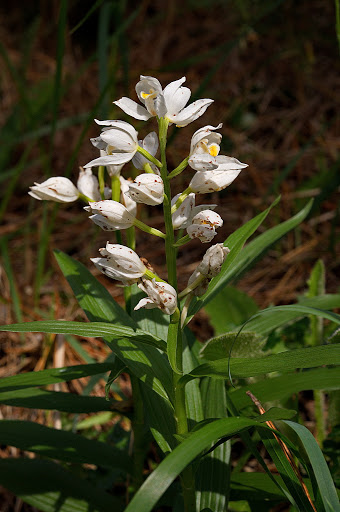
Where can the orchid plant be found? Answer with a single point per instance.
(179, 388)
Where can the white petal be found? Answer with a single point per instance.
(191, 113)
(203, 232)
(202, 133)
(178, 101)
(171, 89)
(103, 223)
(145, 84)
(228, 163)
(119, 140)
(133, 109)
(120, 125)
(150, 143)
(98, 143)
(115, 159)
(203, 162)
(145, 303)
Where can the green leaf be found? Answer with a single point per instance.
(286, 471)
(320, 469)
(280, 388)
(280, 315)
(235, 242)
(118, 369)
(90, 329)
(147, 363)
(35, 398)
(193, 399)
(249, 344)
(157, 483)
(61, 445)
(283, 362)
(257, 247)
(52, 376)
(49, 487)
(230, 308)
(255, 487)
(213, 472)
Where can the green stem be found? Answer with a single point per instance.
(147, 155)
(193, 285)
(115, 188)
(148, 168)
(180, 200)
(174, 333)
(101, 180)
(144, 227)
(84, 198)
(151, 275)
(181, 241)
(131, 237)
(170, 238)
(180, 168)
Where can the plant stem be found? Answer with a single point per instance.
(180, 168)
(115, 188)
(187, 478)
(101, 181)
(147, 155)
(144, 227)
(148, 168)
(181, 198)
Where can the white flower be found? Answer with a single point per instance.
(169, 103)
(160, 295)
(121, 141)
(213, 260)
(203, 225)
(150, 144)
(183, 216)
(204, 182)
(121, 263)
(148, 189)
(110, 215)
(57, 189)
(129, 204)
(88, 184)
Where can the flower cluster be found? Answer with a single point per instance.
(114, 208)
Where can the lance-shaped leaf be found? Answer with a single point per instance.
(280, 388)
(283, 362)
(52, 376)
(62, 445)
(90, 329)
(50, 487)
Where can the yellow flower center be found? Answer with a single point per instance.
(146, 95)
(214, 149)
